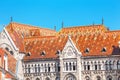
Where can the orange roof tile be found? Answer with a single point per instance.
(93, 37)
(19, 31)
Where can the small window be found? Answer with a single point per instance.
(87, 50)
(104, 49)
(58, 52)
(43, 53)
(28, 54)
(88, 67)
(7, 48)
(11, 52)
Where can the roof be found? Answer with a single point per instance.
(48, 45)
(19, 31)
(91, 40)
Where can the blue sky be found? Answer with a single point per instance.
(50, 13)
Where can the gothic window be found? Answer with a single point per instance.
(35, 68)
(74, 67)
(28, 68)
(110, 65)
(99, 67)
(66, 66)
(88, 67)
(48, 67)
(37, 79)
(27, 79)
(109, 77)
(84, 67)
(95, 66)
(87, 78)
(47, 78)
(107, 65)
(42, 68)
(58, 67)
(98, 78)
(70, 66)
(70, 77)
(45, 68)
(38, 68)
(25, 68)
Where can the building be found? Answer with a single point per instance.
(74, 53)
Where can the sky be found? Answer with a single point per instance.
(50, 13)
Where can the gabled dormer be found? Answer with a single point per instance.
(70, 50)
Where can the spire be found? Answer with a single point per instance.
(11, 19)
(62, 24)
(102, 21)
(93, 23)
(55, 28)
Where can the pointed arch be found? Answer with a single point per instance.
(70, 77)
(87, 78)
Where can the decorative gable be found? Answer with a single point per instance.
(70, 50)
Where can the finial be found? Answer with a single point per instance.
(55, 28)
(93, 23)
(62, 24)
(11, 19)
(102, 21)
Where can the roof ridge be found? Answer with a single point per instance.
(83, 26)
(28, 25)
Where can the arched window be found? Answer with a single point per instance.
(110, 65)
(37, 79)
(38, 68)
(28, 68)
(70, 66)
(109, 77)
(45, 67)
(118, 64)
(47, 78)
(66, 66)
(48, 67)
(98, 78)
(35, 68)
(107, 65)
(95, 66)
(70, 77)
(87, 78)
(74, 66)
(58, 67)
(27, 79)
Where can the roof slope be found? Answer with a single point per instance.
(19, 31)
(96, 39)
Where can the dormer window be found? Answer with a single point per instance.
(11, 52)
(58, 52)
(7, 48)
(28, 54)
(43, 53)
(87, 50)
(103, 49)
